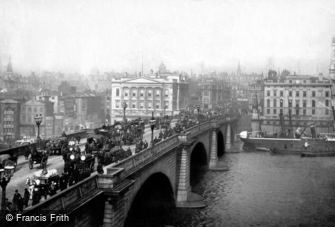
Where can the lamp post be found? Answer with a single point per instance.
(198, 109)
(152, 125)
(38, 121)
(124, 106)
(5, 175)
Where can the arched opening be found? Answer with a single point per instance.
(152, 204)
(198, 164)
(220, 143)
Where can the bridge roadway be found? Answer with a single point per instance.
(18, 181)
(166, 166)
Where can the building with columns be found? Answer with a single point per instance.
(302, 100)
(163, 93)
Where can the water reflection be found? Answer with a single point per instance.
(260, 189)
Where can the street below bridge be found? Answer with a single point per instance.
(18, 181)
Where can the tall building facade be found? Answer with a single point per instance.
(214, 93)
(27, 122)
(9, 120)
(297, 101)
(163, 93)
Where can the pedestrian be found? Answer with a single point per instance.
(63, 182)
(100, 170)
(36, 196)
(20, 203)
(15, 199)
(26, 197)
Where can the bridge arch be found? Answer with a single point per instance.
(198, 162)
(220, 144)
(153, 201)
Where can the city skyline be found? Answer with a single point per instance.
(74, 36)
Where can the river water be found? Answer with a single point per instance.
(260, 189)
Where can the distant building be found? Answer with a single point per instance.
(9, 120)
(302, 100)
(27, 122)
(163, 92)
(214, 93)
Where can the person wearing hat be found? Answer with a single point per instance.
(16, 199)
(26, 197)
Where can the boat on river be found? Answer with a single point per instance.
(322, 145)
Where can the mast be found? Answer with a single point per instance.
(258, 118)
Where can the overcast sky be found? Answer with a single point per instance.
(69, 35)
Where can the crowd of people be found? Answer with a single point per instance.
(107, 146)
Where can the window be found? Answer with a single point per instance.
(134, 106)
(126, 94)
(149, 93)
(297, 111)
(281, 102)
(304, 111)
(117, 92)
(313, 103)
(134, 94)
(290, 81)
(327, 112)
(166, 92)
(268, 93)
(268, 111)
(297, 103)
(290, 93)
(268, 103)
(297, 93)
(281, 93)
(157, 93)
(304, 103)
(141, 105)
(275, 103)
(327, 102)
(290, 103)
(281, 111)
(274, 111)
(313, 93)
(274, 93)
(141, 94)
(327, 94)
(157, 106)
(304, 93)
(313, 111)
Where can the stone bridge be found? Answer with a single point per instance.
(149, 182)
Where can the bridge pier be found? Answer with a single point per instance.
(228, 137)
(108, 214)
(184, 176)
(214, 151)
(185, 197)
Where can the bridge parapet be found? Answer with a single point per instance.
(66, 201)
(137, 161)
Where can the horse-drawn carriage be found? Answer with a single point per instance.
(38, 156)
(55, 146)
(43, 184)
